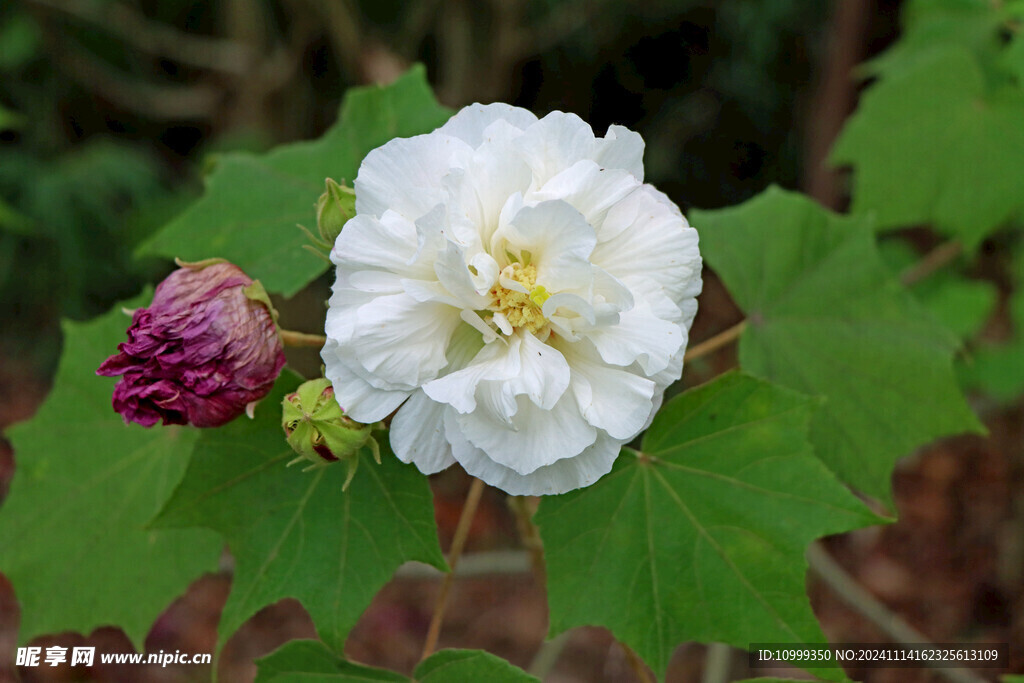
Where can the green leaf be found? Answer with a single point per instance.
(934, 145)
(310, 660)
(933, 25)
(961, 304)
(998, 369)
(702, 536)
(253, 202)
(20, 40)
(469, 666)
(296, 534)
(825, 317)
(10, 119)
(13, 222)
(72, 531)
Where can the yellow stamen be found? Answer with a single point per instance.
(521, 309)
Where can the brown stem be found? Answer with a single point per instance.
(716, 342)
(524, 507)
(931, 262)
(857, 597)
(458, 541)
(833, 99)
(293, 338)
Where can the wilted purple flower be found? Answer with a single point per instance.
(204, 349)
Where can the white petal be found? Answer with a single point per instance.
(389, 243)
(567, 305)
(430, 234)
(535, 438)
(495, 361)
(501, 320)
(405, 175)
(417, 434)
(454, 274)
(559, 240)
(611, 398)
(376, 281)
(424, 291)
(470, 122)
(555, 143)
(473, 318)
(562, 476)
(544, 374)
(341, 311)
(493, 174)
(640, 336)
(486, 271)
(359, 400)
(650, 241)
(610, 294)
(592, 190)
(621, 148)
(402, 340)
(499, 373)
(341, 329)
(663, 380)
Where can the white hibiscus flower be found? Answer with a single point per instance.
(512, 287)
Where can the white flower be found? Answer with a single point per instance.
(512, 286)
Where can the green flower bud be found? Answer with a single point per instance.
(335, 206)
(318, 430)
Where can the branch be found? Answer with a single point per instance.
(547, 655)
(292, 338)
(459, 540)
(716, 342)
(524, 508)
(854, 595)
(833, 100)
(931, 262)
(155, 38)
(160, 102)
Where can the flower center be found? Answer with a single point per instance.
(522, 299)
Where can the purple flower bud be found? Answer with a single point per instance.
(204, 349)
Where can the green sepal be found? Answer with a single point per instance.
(334, 208)
(318, 430)
(257, 292)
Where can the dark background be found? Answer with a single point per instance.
(118, 104)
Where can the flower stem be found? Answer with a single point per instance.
(293, 338)
(857, 597)
(458, 542)
(716, 342)
(932, 261)
(524, 508)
